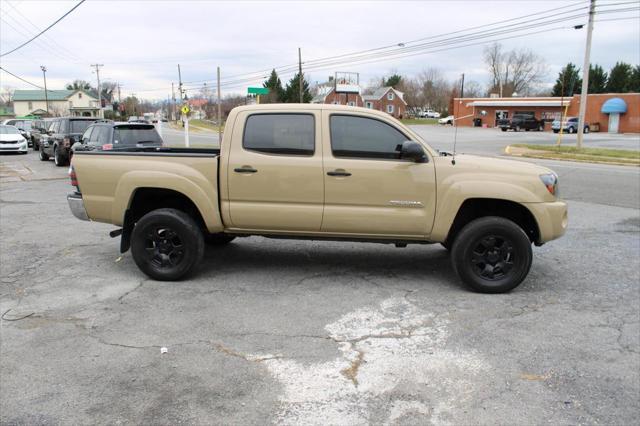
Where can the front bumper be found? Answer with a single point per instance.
(552, 219)
(76, 204)
(14, 147)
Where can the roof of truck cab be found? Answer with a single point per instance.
(311, 107)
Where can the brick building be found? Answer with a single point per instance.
(385, 99)
(612, 112)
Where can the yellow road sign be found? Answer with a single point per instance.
(185, 109)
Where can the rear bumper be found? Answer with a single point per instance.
(552, 219)
(76, 204)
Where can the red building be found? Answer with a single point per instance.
(385, 99)
(611, 112)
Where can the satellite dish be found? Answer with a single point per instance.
(483, 113)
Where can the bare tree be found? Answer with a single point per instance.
(6, 95)
(513, 71)
(434, 89)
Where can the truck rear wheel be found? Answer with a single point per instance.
(492, 255)
(167, 244)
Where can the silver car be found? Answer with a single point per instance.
(570, 125)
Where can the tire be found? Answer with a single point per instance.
(219, 239)
(58, 159)
(36, 146)
(586, 129)
(167, 244)
(504, 129)
(516, 129)
(43, 156)
(556, 131)
(484, 247)
(571, 130)
(541, 128)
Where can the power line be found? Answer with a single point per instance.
(45, 37)
(637, 18)
(393, 52)
(26, 81)
(43, 31)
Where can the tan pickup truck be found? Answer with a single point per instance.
(320, 172)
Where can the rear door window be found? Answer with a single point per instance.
(101, 135)
(79, 126)
(289, 134)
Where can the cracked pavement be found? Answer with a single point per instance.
(301, 332)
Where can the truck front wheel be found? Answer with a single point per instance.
(492, 255)
(167, 244)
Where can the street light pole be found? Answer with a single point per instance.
(585, 75)
(46, 95)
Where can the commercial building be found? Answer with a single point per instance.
(608, 112)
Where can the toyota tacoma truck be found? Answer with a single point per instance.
(320, 172)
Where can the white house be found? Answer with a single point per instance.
(77, 103)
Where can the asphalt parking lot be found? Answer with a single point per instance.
(301, 332)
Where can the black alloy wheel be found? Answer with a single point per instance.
(492, 254)
(493, 257)
(167, 244)
(164, 247)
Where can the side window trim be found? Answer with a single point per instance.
(282, 152)
(371, 155)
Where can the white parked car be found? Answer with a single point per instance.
(429, 114)
(446, 120)
(11, 140)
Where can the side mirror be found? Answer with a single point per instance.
(413, 151)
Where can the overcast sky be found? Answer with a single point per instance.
(140, 43)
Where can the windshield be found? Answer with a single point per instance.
(133, 135)
(79, 126)
(9, 130)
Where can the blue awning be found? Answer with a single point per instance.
(614, 105)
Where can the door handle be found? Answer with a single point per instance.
(339, 173)
(245, 169)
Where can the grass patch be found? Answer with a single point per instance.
(418, 121)
(204, 125)
(583, 154)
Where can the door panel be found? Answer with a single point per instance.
(379, 196)
(273, 190)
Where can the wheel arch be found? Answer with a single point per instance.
(474, 208)
(146, 199)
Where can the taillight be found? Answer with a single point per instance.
(73, 176)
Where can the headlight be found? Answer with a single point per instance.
(550, 181)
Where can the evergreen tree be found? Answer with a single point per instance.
(619, 78)
(393, 81)
(635, 79)
(597, 79)
(276, 91)
(569, 78)
(292, 92)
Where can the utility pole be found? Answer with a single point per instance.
(46, 95)
(219, 111)
(173, 105)
(180, 94)
(300, 73)
(99, 94)
(585, 75)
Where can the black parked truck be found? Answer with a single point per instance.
(521, 122)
